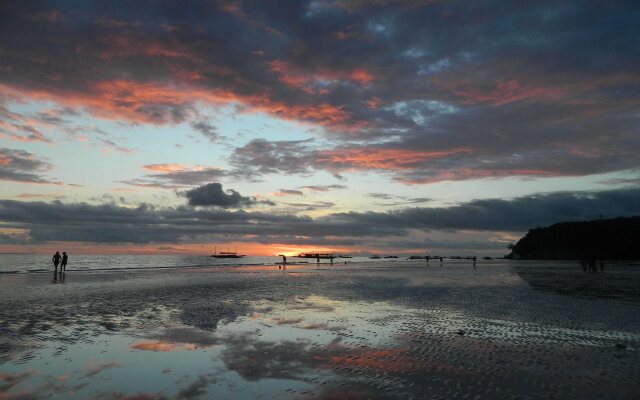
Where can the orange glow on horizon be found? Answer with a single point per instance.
(253, 249)
(246, 248)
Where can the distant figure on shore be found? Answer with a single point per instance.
(56, 260)
(318, 260)
(65, 258)
(284, 262)
(474, 262)
(428, 258)
(331, 260)
(441, 261)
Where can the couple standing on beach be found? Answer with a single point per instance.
(57, 258)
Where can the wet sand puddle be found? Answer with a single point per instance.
(316, 347)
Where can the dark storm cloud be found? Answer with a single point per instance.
(528, 89)
(212, 194)
(22, 166)
(58, 221)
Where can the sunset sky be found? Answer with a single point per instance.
(365, 126)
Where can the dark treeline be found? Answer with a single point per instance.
(610, 239)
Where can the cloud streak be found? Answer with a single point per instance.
(22, 166)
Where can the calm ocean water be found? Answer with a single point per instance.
(40, 263)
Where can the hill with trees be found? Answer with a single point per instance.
(610, 239)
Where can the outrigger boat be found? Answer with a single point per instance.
(226, 254)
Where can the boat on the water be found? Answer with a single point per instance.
(322, 256)
(374, 257)
(226, 254)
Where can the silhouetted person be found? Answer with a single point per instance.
(284, 261)
(474, 262)
(56, 260)
(318, 260)
(331, 260)
(428, 258)
(65, 258)
(441, 261)
(592, 265)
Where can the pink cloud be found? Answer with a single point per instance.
(173, 167)
(382, 159)
(314, 81)
(130, 101)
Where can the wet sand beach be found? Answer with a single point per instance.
(506, 330)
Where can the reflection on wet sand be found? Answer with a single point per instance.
(619, 281)
(361, 333)
(58, 277)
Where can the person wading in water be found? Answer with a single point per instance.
(65, 257)
(56, 260)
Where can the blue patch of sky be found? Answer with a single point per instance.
(434, 67)
(421, 111)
